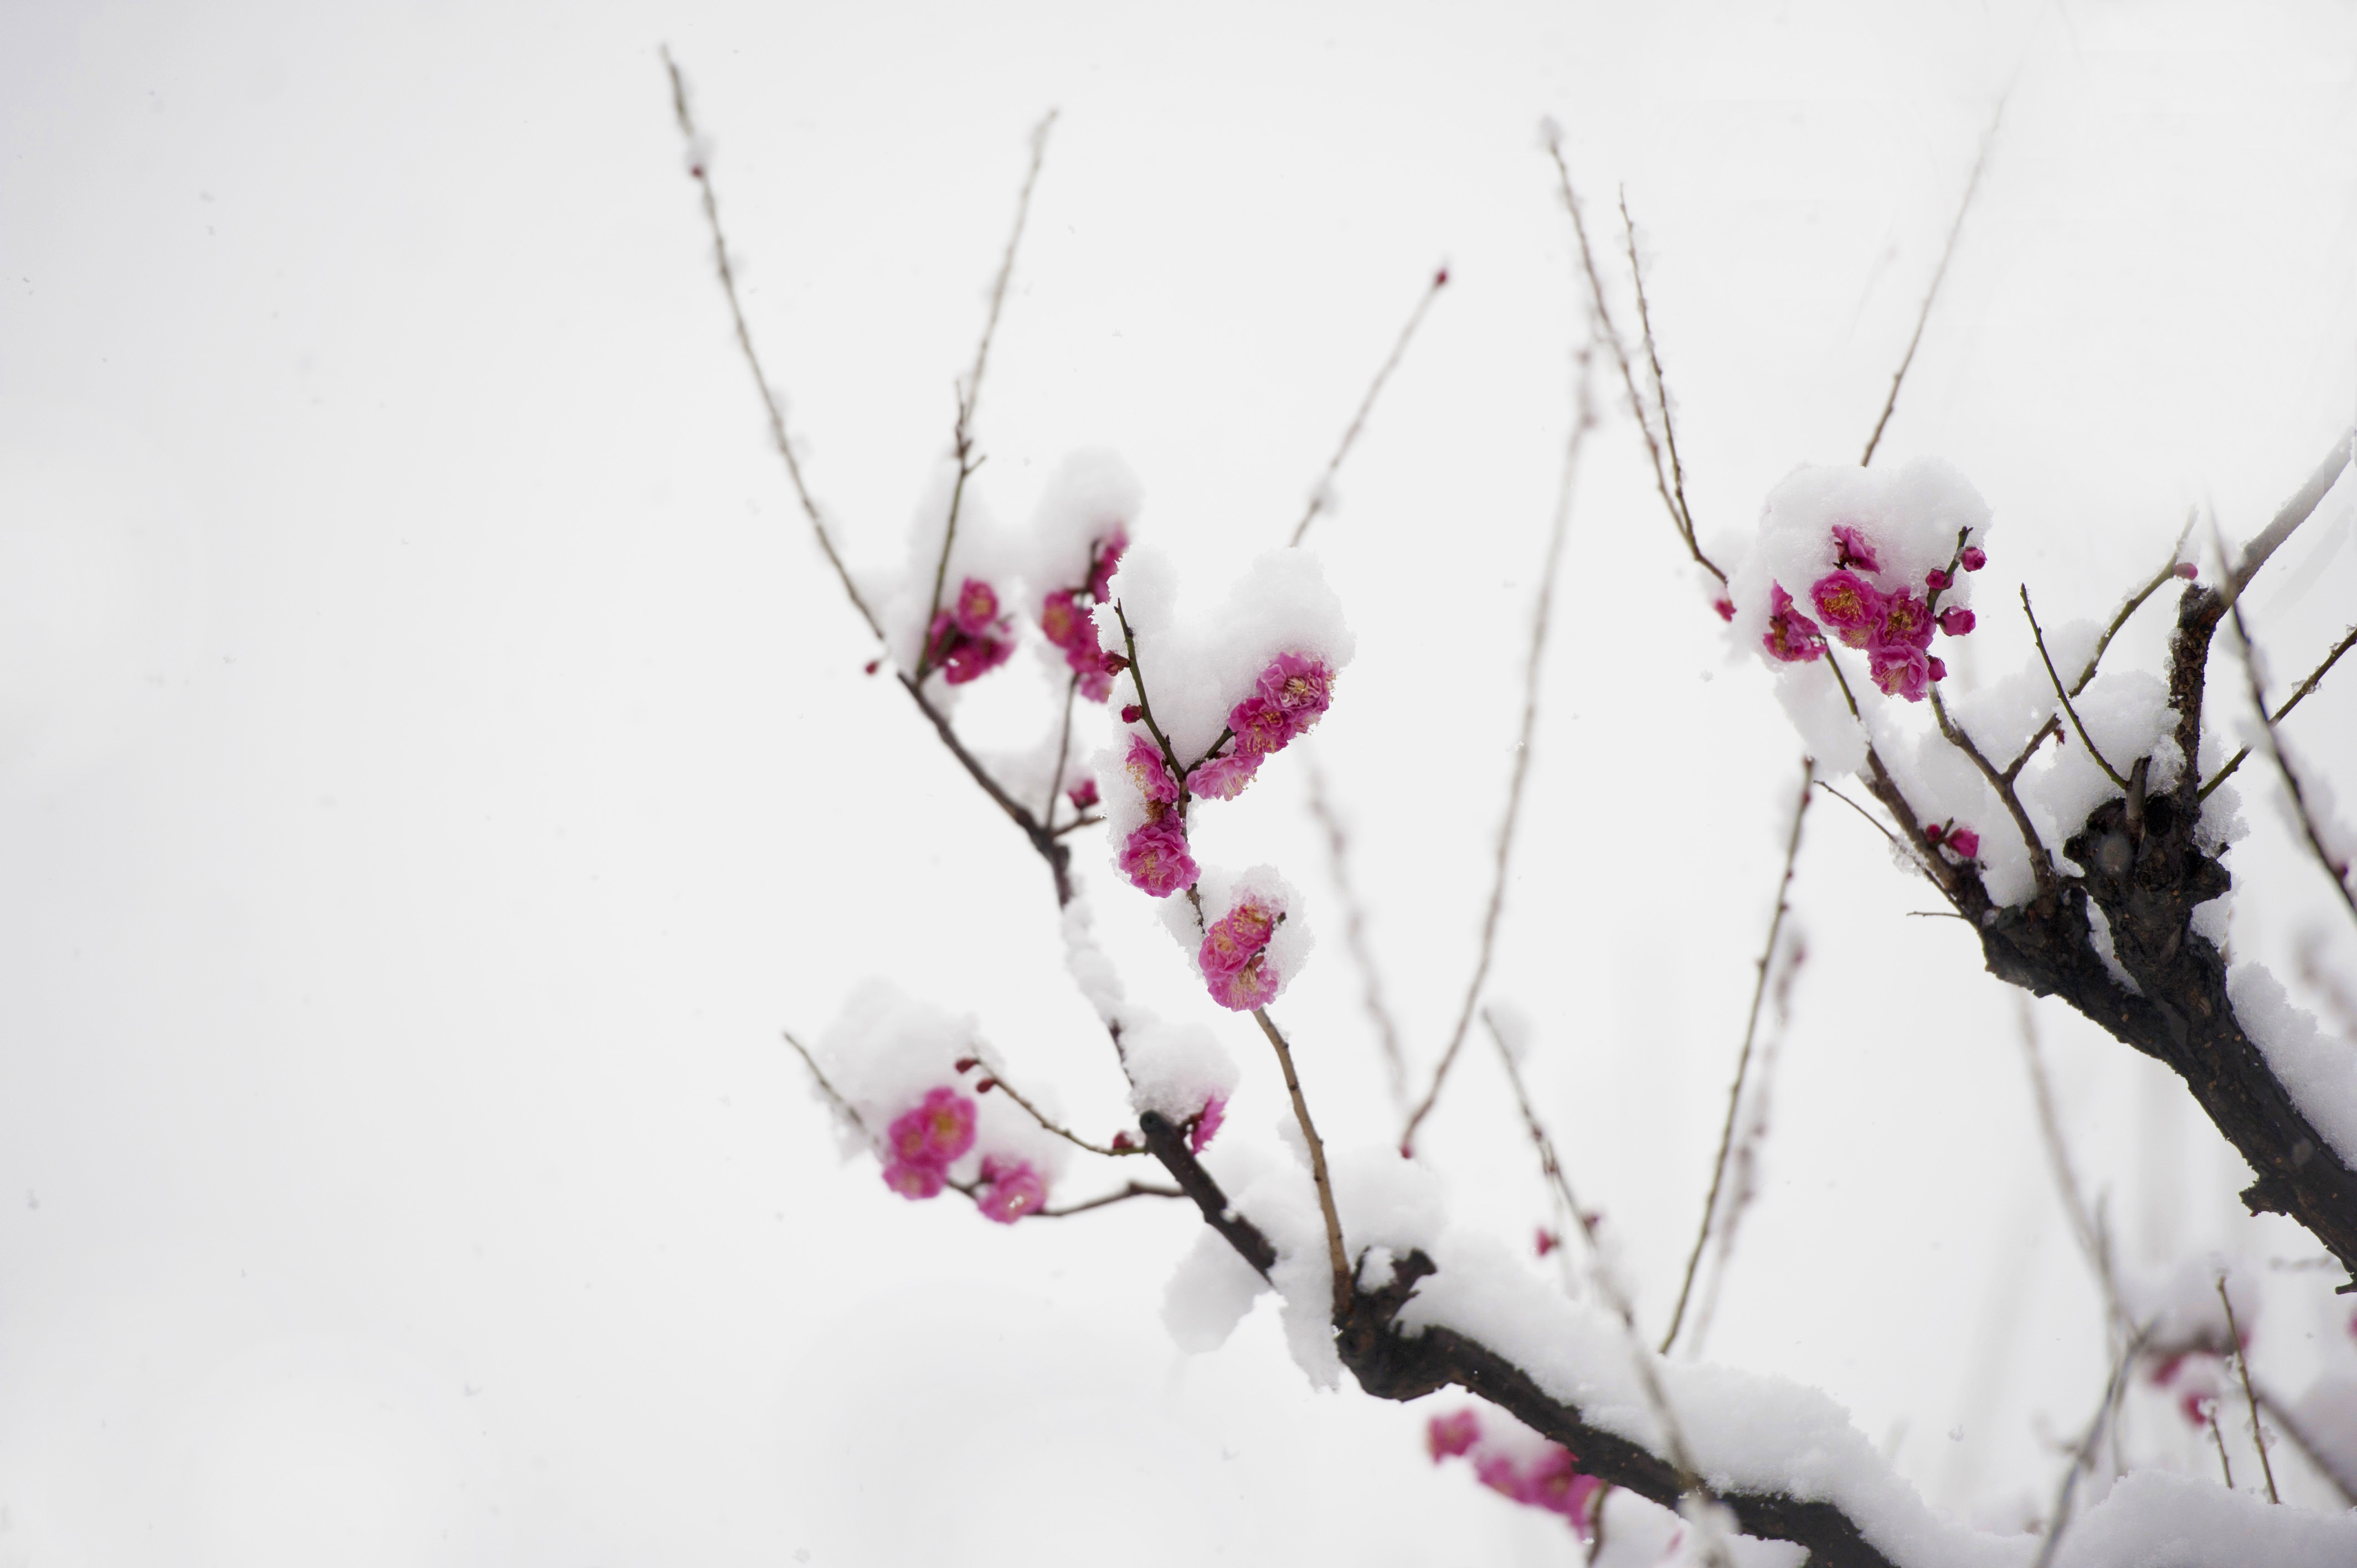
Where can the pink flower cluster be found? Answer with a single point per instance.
(970, 639)
(1552, 1481)
(1894, 627)
(1289, 697)
(1234, 957)
(921, 1143)
(1009, 1191)
(1068, 617)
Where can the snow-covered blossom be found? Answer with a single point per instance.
(1149, 772)
(1010, 1191)
(1792, 637)
(1301, 686)
(970, 639)
(1849, 604)
(1233, 956)
(913, 1182)
(1156, 861)
(934, 1132)
(1262, 727)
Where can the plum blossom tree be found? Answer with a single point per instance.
(2075, 815)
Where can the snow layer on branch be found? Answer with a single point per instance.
(2320, 1074)
(2127, 716)
(1091, 970)
(1093, 500)
(1829, 733)
(1176, 1070)
(887, 1049)
(2154, 1520)
(1195, 671)
(1209, 1294)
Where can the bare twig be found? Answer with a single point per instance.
(2323, 1459)
(1318, 498)
(2083, 1229)
(2306, 686)
(1607, 329)
(1063, 751)
(1743, 1057)
(2242, 1365)
(1861, 811)
(1533, 662)
(1338, 1257)
(998, 1081)
(2134, 603)
(2039, 634)
(2059, 1518)
(843, 1106)
(2218, 1436)
(2042, 864)
(1681, 1457)
(1653, 362)
(1354, 935)
(2293, 512)
(1939, 274)
(969, 389)
(769, 401)
(1132, 1189)
(2337, 870)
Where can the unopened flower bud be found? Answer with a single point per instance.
(1129, 713)
(1937, 579)
(1965, 842)
(1726, 609)
(1939, 668)
(1934, 833)
(2187, 570)
(1974, 558)
(968, 1064)
(986, 1086)
(1958, 620)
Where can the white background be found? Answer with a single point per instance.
(434, 762)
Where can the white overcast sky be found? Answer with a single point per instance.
(433, 764)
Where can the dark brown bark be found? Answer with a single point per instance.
(2142, 865)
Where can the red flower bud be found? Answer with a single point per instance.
(1129, 713)
(968, 1064)
(1934, 833)
(1974, 558)
(1726, 609)
(986, 1086)
(1939, 668)
(1938, 579)
(873, 665)
(2187, 570)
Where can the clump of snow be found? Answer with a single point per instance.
(2320, 1074)
(887, 1053)
(1176, 1070)
(981, 551)
(2127, 716)
(1196, 671)
(1090, 503)
(1209, 1294)
(2152, 1518)
(1091, 969)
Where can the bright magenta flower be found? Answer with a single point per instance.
(1234, 939)
(1156, 861)
(978, 607)
(1301, 686)
(1906, 622)
(1965, 842)
(1958, 620)
(934, 1132)
(1852, 548)
(913, 1182)
(1900, 670)
(1243, 989)
(1149, 772)
(1206, 1125)
(1108, 561)
(1261, 727)
(1449, 1435)
(1792, 637)
(1849, 604)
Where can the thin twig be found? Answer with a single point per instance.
(2218, 1436)
(2134, 603)
(1318, 498)
(2042, 864)
(1640, 1355)
(1611, 333)
(769, 402)
(1355, 937)
(1653, 361)
(998, 1081)
(2060, 1517)
(1939, 274)
(2306, 686)
(843, 1106)
(2242, 1365)
(2044, 658)
(1336, 1256)
(2337, 870)
(1063, 751)
(1861, 811)
(1743, 1057)
(969, 390)
(2322, 1458)
(1134, 1189)
(2083, 1229)
(1540, 621)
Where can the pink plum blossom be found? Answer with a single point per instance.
(1245, 989)
(1906, 622)
(1156, 861)
(1149, 772)
(1224, 777)
(1965, 842)
(934, 1132)
(1900, 670)
(1206, 1125)
(913, 1182)
(1849, 604)
(1301, 686)
(1066, 622)
(1445, 1435)
(1792, 637)
(1956, 620)
(1852, 548)
(977, 606)
(1232, 940)
(1010, 1192)
(1082, 795)
(1260, 725)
